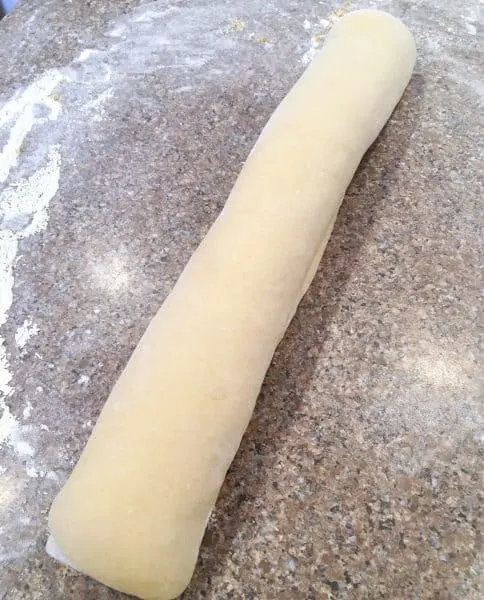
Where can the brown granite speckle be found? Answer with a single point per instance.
(360, 475)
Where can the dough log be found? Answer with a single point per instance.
(134, 510)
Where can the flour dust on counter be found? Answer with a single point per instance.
(360, 473)
(30, 182)
(41, 124)
(61, 103)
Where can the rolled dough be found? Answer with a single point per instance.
(134, 510)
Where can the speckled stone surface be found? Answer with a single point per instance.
(360, 476)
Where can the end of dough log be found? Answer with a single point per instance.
(135, 508)
(53, 550)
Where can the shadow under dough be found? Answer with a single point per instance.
(295, 361)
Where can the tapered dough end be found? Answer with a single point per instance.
(54, 551)
(141, 578)
(150, 589)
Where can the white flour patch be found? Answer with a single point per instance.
(96, 105)
(24, 202)
(52, 476)
(85, 55)
(117, 31)
(322, 28)
(112, 274)
(309, 55)
(27, 330)
(23, 211)
(7, 423)
(439, 398)
(28, 199)
(100, 100)
(189, 39)
(12, 434)
(21, 111)
(183, 89)
(317, 38)
(7, 420)
(471, 19)
(17, 437)
(471, 29)
(31, 181)
(151, 15)
(27, 410)
(32, 471)
(84, 380)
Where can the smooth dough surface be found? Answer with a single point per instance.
(134, 510)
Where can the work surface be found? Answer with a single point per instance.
(123, 126)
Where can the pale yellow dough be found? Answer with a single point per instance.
(134, 510)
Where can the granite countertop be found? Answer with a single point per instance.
(123, 125)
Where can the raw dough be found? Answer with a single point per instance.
(134, 510)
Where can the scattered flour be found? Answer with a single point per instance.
(85, 55)
(13, 434)
(40, 123)
(27, 410)
(472, 18)
(24, 202)
(42, 112)
(309, 55)
(19, 111)
(236, 25)
(320, 31)
(84, 380)
(27, 330)
(32, 471)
